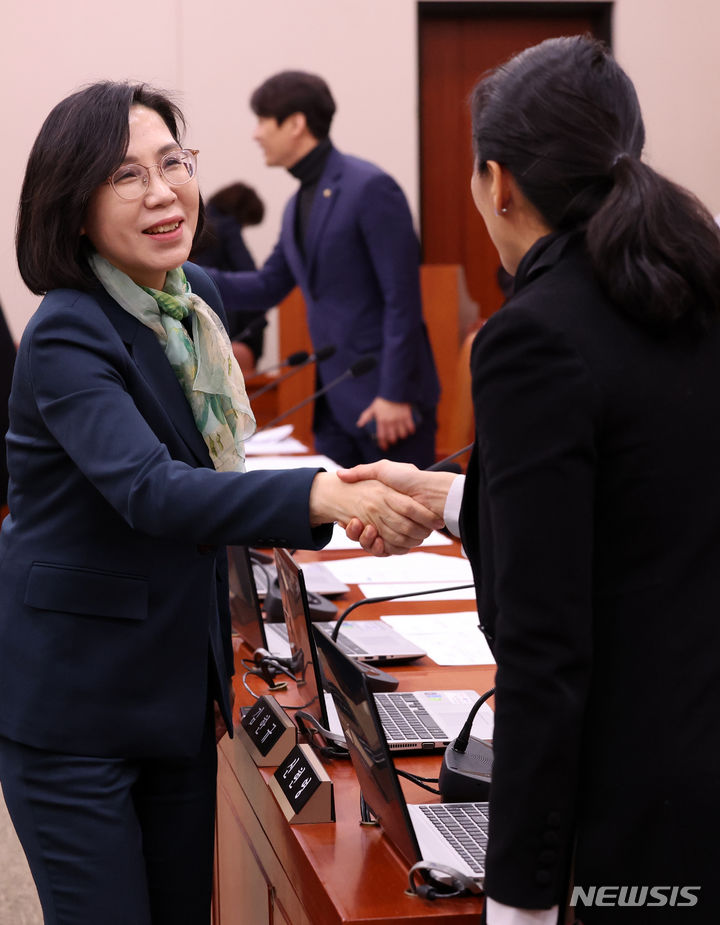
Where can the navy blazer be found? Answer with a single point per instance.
(7, 361)
(114, 617)
(361, 284)
(591, 516)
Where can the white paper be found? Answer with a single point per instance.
(340, 541)
(285, 447)
(448, 638)
(271, 435)
(433, 592)
(274, 441)
(422, 568)
(290, 462)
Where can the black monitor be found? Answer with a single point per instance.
(367, 746)
(303, 653)
(245, 611)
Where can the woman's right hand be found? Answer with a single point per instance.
(398, 520)
(430, 489)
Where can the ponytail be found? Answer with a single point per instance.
(656, 249)
(564, 119)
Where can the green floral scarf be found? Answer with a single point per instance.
(204, 364)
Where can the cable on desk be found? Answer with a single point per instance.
(418, 781)
(274, 686)
(336, 747)
(445, 882)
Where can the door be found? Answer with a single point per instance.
(457, 43)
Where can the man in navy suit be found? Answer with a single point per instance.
(348, 241)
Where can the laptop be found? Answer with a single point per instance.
(372, 641)
(450, 834)
(413, 720)
(367, 640)
(318, 579)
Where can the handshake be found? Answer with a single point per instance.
(388, 507)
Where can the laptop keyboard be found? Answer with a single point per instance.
(348, 646)
(404, 718)
(465, 827)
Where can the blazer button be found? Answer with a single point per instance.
(550, 838)
(554, 819)
(205, 548)
(547, 856)
(543, 876)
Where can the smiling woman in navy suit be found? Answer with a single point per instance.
(125, 451)
(591, 507)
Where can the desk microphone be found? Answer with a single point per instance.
(293, 360)
(467, 764)
(441, 463)
(389, 597)
(257, 324)
(298, 361)
(377, 679)
(358, 368)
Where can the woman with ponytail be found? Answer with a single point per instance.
(591, 507)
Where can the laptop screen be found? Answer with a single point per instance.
(368, 747)
(245, 610)
(303, 653)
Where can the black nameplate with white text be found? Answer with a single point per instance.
(297, 779)
(263, 725)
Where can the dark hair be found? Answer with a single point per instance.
(296, 91)
(82, 141)
(564, 119)
(241, 202)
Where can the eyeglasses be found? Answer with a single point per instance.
(176, 168)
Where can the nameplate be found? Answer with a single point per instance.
(302, 787)
(267, 732)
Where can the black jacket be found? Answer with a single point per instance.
(592, 519)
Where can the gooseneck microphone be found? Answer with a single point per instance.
(298, 361)
(293, 360)
(461, 743)
(467, 764)
(377, 679)
(448, 459)
(358, 368)
(257, 324)
(390, 597)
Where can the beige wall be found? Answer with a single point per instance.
(214, 53)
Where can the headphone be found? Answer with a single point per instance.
(459, 884)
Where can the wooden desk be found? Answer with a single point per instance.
(271, 873)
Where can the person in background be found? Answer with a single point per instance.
(348, 241)
(7, 362)
(128, 414)
(591, 505)
(221, 245)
